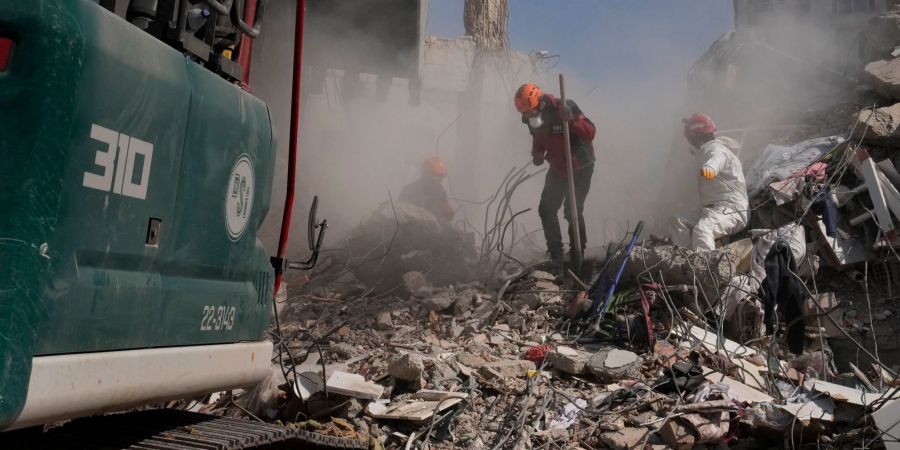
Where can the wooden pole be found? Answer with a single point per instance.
(573, 202)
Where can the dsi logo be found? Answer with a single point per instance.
(117, 163)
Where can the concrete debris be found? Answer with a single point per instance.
(770, 335)
(569, 360)
(884, 75)
(415, 282)
(353, 385)
(613, 364)
(678, 435)
(883, 124)
(438, 302)
(518, 368)
(624, 439)
(470, 366)
(383, 321)
(408, 367)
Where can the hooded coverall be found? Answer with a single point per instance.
(548, 144)
(724, 198)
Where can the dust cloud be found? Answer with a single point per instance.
(354, 150)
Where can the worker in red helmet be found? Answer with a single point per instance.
(725, 207)
(544, 114)
(427, 192)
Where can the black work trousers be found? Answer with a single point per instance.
(555, 193)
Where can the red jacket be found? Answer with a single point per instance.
(547, 141)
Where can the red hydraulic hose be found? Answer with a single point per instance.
(245, 53)
(292, 148)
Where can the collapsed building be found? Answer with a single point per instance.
(784, 336)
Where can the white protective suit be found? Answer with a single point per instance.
(725, 204)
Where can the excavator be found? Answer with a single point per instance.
(136, 171)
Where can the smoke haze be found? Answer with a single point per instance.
(355, 149)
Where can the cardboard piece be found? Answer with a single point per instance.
(353, 385)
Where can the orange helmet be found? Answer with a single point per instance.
(436, 166)
(527, 97)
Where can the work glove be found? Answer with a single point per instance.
(565, 113)
(708, 173)
(537, 159)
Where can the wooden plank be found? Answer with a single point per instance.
(410, 410)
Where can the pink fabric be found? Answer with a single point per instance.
(816, 169)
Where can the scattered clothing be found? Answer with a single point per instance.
(778, 162)
(781, 288)
(824, 207)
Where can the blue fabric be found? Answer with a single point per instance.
(824, 207)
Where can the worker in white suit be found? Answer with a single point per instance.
(723, 192)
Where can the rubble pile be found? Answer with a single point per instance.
(784, 336)
(398, 238)
(468, 367)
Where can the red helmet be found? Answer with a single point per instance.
(435, 166)
(699, 124)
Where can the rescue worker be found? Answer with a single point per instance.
(427, 192)
(723, 192)
(544, 114)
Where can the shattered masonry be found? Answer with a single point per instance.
(421, 336)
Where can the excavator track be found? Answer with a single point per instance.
(167, 429)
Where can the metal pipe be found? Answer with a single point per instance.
(292, 144)
(221, 8)
(573, 202)
(245, 51)
(238, 21)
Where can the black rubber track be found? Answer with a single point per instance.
(167, 429)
